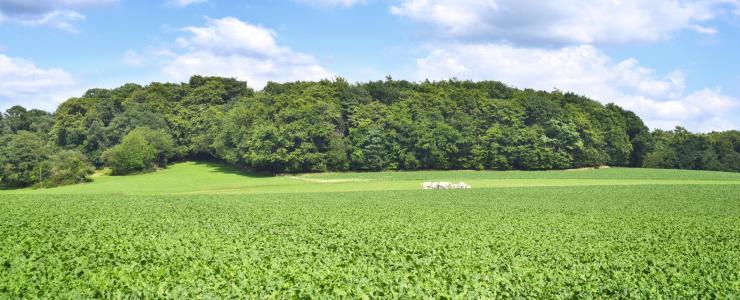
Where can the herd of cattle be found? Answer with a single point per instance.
(445, 186)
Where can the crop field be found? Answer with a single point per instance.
(200, 230)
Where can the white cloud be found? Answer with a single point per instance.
(61, 19)
(535, 22)
(60, 14)
(256, 71)
(231, 36)
(183, 3)
(704, 110)
(660, 99)
(232, 48)
(24, 83)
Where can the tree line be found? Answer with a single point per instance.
(332, 125)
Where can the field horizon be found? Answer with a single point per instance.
(206, 177)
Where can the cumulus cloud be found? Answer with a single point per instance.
(660, 99)
(61, 14)
(562, 22)
(232, 36)
(24, 83)
(704, 110)
(232, 48)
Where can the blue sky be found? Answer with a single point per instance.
(674, 62)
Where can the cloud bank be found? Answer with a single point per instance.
(230, 47)
(24, 83)
(60, 14)
(563, 22)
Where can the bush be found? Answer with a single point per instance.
(142, 150)
(20, 157)
(64, 168)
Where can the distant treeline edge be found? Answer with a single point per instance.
(332, 125)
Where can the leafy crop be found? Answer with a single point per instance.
(671, 241)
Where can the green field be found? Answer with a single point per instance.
(200, 230)
(210, 178)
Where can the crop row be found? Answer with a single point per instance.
(670, 241)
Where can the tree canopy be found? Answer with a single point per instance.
(141, 150)
(332, 125)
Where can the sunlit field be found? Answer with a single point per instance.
(199, 230)
(213, 178)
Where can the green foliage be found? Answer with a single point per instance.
(18, 119)
(379, 125)
(134, 118)
(21, 155)
(640, 137)
(64, 168)
(215, 178)
(673, 241)
(727, 147)
(289, 128)
(368, 138)
(87, 123)
(681, 149)
(216, 90)
(141, 150)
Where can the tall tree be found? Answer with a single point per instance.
(21, 158)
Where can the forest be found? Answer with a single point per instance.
(333, 125)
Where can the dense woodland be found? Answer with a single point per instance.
(337, 126)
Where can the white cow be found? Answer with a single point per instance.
(444, 186)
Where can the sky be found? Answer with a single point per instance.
(673, 62)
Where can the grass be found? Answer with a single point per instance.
(212, 178)
(206, 231)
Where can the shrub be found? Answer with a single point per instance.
(20, 156)
(64, 168)
(141, 150)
